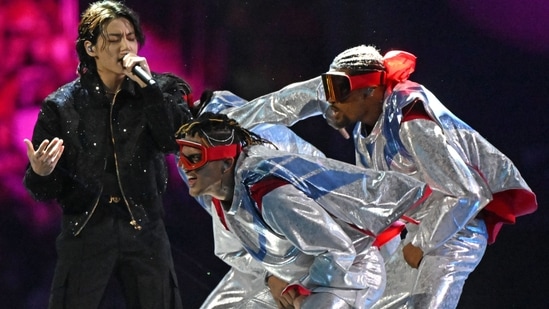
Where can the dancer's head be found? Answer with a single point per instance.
(355, 85)
(208, 149)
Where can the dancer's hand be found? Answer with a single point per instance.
(288, 299)
(413, 255)
(277, 285)
(298, 300)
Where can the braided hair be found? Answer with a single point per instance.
(218, 129)
(359, 59)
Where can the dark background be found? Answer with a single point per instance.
(485, 60)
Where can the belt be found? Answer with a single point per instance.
(113, 199)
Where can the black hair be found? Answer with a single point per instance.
(218, 129)
(205, 99)
(92, 24)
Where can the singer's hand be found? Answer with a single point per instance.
(44, 159)
(129, 61)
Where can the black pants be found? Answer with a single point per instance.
(108, 249)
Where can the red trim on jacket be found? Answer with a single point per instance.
(505, 207)
(414, 110)
(220, 213)
(264, 186)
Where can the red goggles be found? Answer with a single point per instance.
(338, 85)
(205, 154)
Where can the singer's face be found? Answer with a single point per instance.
(119, 40)
(205, 180)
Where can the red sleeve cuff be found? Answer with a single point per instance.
(301, 290)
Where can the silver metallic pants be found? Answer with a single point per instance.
(438, 281)
(238, 290)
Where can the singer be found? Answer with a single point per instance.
(98, 149)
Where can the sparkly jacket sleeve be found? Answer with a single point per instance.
(166, 110)
(47, 127)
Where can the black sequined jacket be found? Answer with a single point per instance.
(139, 124)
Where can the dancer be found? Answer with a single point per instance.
(290, 215)
(401, 126)
(99, 148)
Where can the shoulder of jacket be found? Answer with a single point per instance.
(170, 80)
(65, 92)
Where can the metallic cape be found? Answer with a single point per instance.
(468, 175)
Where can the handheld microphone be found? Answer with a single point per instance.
(143, 75)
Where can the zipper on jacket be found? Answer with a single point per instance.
(93, 209)
(133, 222)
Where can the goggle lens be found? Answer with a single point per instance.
(337, 86)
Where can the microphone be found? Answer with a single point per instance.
(138, 71)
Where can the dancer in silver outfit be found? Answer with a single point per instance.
(308, 220)
(401, 126)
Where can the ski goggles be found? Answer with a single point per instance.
(205, 154)
(338, 85)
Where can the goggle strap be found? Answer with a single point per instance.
(367, 80)
(222, 152)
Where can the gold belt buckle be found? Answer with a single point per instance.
(114, 199)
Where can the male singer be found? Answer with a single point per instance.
(98, 148)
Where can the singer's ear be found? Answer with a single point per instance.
(89, 48)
